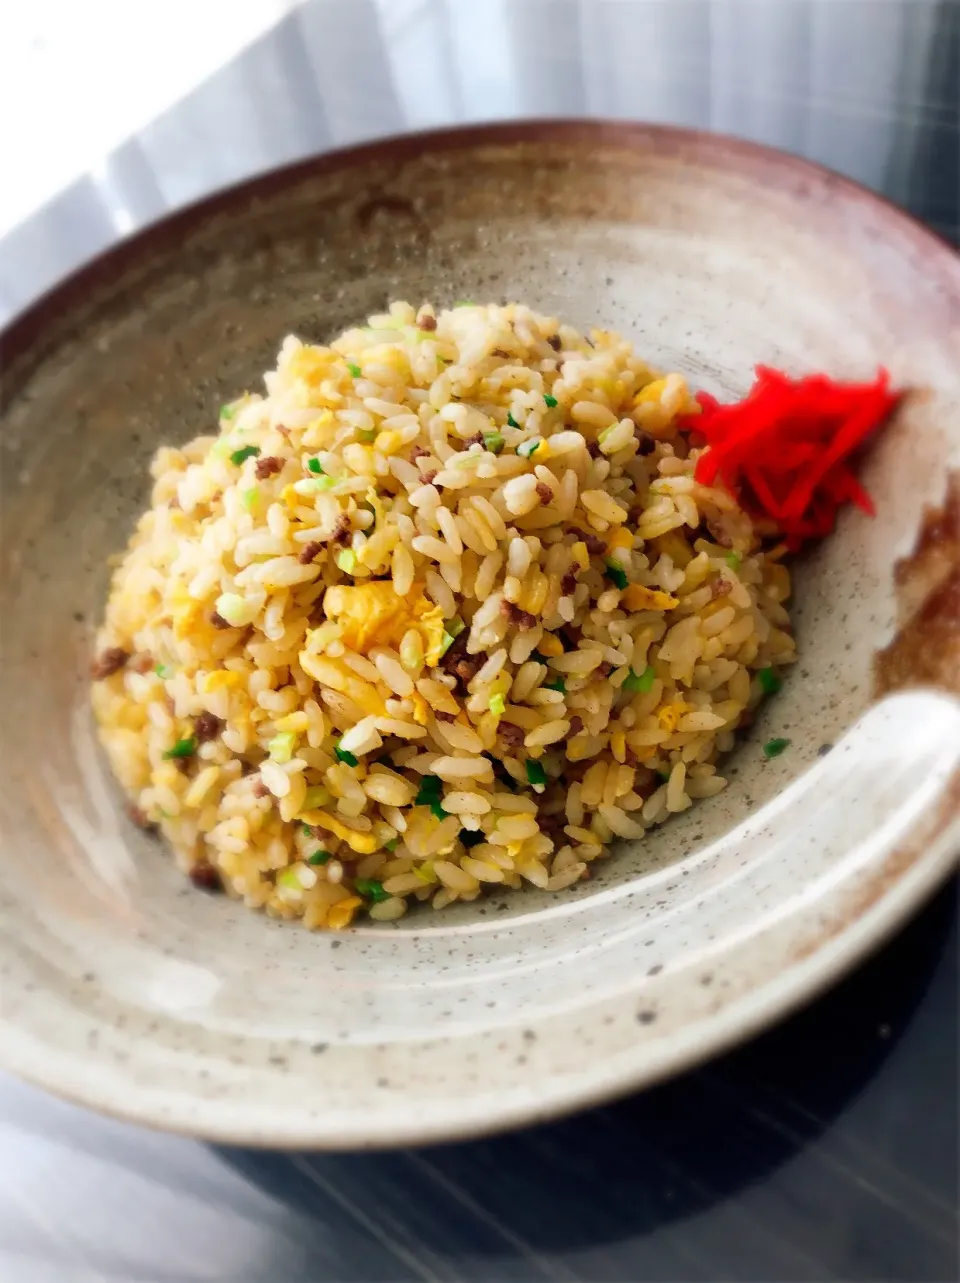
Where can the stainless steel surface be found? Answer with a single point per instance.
(828, 1148)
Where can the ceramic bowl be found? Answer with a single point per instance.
(127, 990)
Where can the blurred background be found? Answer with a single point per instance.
(826, 1149)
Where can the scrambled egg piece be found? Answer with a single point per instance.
(670, 715)
(651, 393)
(310, 365)
(184, 610)
(621, 538)
(639, 597)
(362, 843)
(373, 615)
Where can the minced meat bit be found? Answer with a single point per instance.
(429, 477)
(720, 536)
(342, 530)
(442, 716)
(268, 466)
(108, 662)
(459, 664)
(720, 587)
(568, 583)
(143, 664)
(576, 725)
(205, 877)
(476, 439)
(309, 552)
(140, 818)
(428, 323)
(206, 727)
(544, 493)
(418, 452)
(554, 341)
(595, 545)
(511, 734)
(522, 618)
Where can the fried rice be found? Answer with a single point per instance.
(443, 610)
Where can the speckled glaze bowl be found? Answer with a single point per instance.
(125, 989)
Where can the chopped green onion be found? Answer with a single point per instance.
(343, 755)
(454, 626)
(315, 466)
(367, 434)
(354, 369)
(497, 704)
(249, 497)
(511, 421)
(617, 574)
(774, 747)
(733, 559)
(640, 681)
(448, 640)
(347, 561)
(182, 748)
(290, 878)
(472, 837)
(558, 684)
(326, 483)
(429, 790)
(306, 829)
(318, 857)
(535, 773)
(527, 448)
(164, 671)
(227, 412)
(392, 844)
(551, 401)
(429, 795)
(281, 747)
(316, 796)
(494, 441)
(245, 452)
(465, 302)
(372, 889)
(770, 683)
(236, 610)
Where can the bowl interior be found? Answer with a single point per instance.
(712, 257)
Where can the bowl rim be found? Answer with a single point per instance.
(25, 326)
(931, 862)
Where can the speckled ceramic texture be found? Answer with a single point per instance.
(124, 988)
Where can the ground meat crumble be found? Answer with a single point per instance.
(108, 662)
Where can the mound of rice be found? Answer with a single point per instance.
(444, 609)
